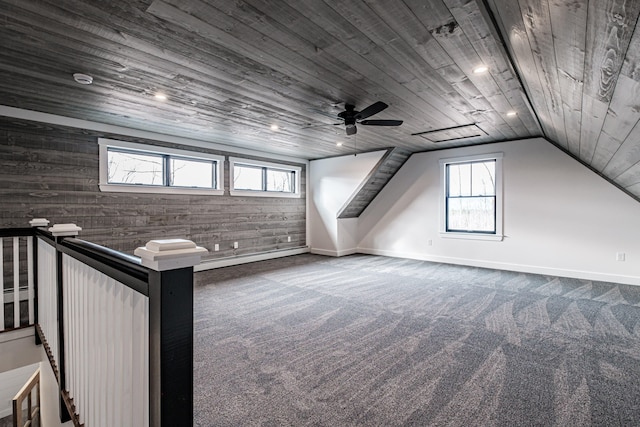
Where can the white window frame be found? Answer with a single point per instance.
(258, 193)
(105, 186)
(498, 236)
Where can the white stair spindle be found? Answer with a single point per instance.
(16, 282)
(30, 279)
(1, 285)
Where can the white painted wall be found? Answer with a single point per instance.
(331, 182)
(10, 383)
(560, 218)
(50, 395)
(18, 349)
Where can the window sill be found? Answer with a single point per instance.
(472, 236)
(249, 193)
(115, 188)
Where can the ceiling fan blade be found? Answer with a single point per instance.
(310, 126)
(371, 110)
(381, 122)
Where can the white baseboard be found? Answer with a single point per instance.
(522, 268)
(244, 259)
(328, 252)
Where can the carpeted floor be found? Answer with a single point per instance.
(375, 341)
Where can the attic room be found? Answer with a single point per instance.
(394, 213)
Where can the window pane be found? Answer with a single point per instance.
(134, 168)
(459, 179)
(191, 173)
(247, 177)
(471, 214)
(278, 180)
(483, 178)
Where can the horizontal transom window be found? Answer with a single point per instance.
(252, 178)
(129, 167)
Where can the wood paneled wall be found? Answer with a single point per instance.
(49, 171)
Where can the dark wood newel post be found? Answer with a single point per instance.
(171, 347)
(170, 329)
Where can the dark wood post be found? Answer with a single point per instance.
(170, 264)
(171, 347)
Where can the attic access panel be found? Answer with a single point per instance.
(452, 133)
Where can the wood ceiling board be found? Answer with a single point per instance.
(537, 23)
(337, 82)
(613, 86)
(569, 26)
(627, 156)
(609, 28)
(231, 69)
(383, 69)
(453, 40)
(475, 22)
(509, 18)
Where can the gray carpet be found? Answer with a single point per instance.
(376, 341)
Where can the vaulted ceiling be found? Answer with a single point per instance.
(232, 70)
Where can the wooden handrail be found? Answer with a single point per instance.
(33, 411)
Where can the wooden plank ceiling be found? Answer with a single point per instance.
(232, 69)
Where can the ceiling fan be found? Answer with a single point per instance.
(352, 117)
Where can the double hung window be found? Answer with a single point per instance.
(472, 199)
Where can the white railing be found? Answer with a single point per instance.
(48, 295)
(117, 329)
(106, 325)
(18, 291)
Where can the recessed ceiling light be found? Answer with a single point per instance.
(274, 127)
(161, 96)
(339, 144)
(512, 114)
(480, 69)
(83, 79)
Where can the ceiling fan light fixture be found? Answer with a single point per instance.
(351, 129)
(83, 79)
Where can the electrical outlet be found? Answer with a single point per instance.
(235, 245)
(429, 242)
(288, 238)
(620, 256)
(216, 247)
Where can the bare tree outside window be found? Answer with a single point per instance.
(471, 197)
(134, 168)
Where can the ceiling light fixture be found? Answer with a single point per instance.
(274, 127)
(480, 69)
(339, 144)
(161, 96)
(83, 79)
(512, 114)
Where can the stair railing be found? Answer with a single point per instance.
(117, 328)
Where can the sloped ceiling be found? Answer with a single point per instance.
(232, 69)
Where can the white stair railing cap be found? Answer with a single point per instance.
(170, 254)
(39, 222)
(65, 230)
